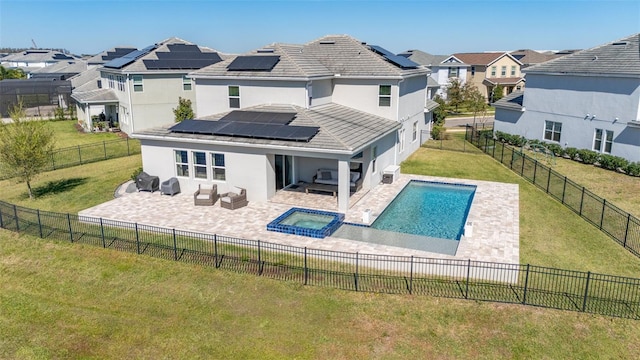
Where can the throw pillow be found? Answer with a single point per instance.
(326, 175)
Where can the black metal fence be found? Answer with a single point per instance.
(88, 153)
(465, 279)
(620, 225)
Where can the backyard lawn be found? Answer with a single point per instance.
(66, 134)
(61, 300)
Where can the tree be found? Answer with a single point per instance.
(184, 110)
(474, 100)
(25, 146)
(497, 93)
(11, 73)
(455, 94)
(439, 113)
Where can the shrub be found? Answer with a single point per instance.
(611, 162)
(554, 148)
(633, 169)
(588, 156)
(437, 132)
(59, 113)
(135, 173)
(571, 153)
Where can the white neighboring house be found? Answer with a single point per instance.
(360, 110)
(588, 100)
(34, 59)
(443, 69)
(141, 88)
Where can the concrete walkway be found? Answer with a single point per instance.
(494, 213)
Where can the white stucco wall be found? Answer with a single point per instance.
(213, 95)
(363, 95)
(321, 91)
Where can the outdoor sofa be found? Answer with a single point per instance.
(330, 177)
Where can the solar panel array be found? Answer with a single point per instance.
(59, 56)
(397, 60)
(182, 56)
(254, 63)
(118, 52)
(129, 58)
(250, 124)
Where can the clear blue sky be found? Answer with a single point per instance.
(438, 27)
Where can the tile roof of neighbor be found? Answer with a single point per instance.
(342, 129)
(530, 57)
(327, 56)
(620, 57)
(86, 80)
(424, 58)
(100, 58)
(138, 66)
(479, 58)
(37, 55)
(512, 101)
(67, 66)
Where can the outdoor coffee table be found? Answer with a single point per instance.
(333, 189)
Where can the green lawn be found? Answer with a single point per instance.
(61, 300)
(66, 134)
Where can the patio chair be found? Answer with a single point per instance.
(234, 199)
(170, 187)
(205, 196)
(146, 182)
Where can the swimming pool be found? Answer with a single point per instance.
(430, 209)
(307, 222)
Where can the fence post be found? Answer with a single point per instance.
(104, 244)
(306, 269)
(39, 222)
(137, 239)
(104, 146)
(175, 246)
(79, 155)
(411, 277)
(626, 231)
(523, 159)
(69, 223)
(493, 153)
(215, 249)
(502, 154)
(564, 189)
(535, 169)
(604, 204)
(581, 201)
(548, 180)
(526, 283)
(586, 290)
(15, 214)
(466, 292)
(355, 275)
(259, 259)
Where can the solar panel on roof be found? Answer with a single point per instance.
(262, 117)
(177, 64)
(129, 58)
(246, 129)
(183, 48)
(393, 58)
(254, 63)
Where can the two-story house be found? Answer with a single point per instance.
(588, 100)
(443, 69)
(141, 88)
(487, 70)
(286, 114)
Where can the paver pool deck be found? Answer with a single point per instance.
(494, 214)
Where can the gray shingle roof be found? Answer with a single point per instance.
(620, 57)
(430, 105)
(98, 95)
(342, 129)
(327, 56)
(424, 58)
(431, 82)
(37, 55)
(512, 101)
(86, 80)
(66, 66)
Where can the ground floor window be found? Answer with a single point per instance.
(552, 130)
(414, 137)
(218, 166)
(182, 163)
(199, 165)
(603, 140)
(401, 140)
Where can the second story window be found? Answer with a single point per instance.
(186, 83)
(513, 70)
(493, 71)
(384, 95)
(234, 97)
(453, 72)
(137, 83)
(503, 71)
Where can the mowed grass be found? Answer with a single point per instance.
(66, 134)
(61, 300)
(550, 234)
(72, 189)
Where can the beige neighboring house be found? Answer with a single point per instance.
(140, 89)
(487, 70)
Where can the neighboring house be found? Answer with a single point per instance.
(62, 70)
(339, 104)
(140, 89)
(531, 57)
(588, 100)
(34, 59)
(487, 70)
(443, 69)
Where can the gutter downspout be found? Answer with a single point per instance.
(129, 83)
(395, 152)
(306, 92)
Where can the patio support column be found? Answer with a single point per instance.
(343, 186)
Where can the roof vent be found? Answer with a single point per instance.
(265, 51)
(594, 58)
(620, 43)
(327, 42)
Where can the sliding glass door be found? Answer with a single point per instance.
(284, 171)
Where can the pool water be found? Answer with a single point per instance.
(431, 209)
(307, 220)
